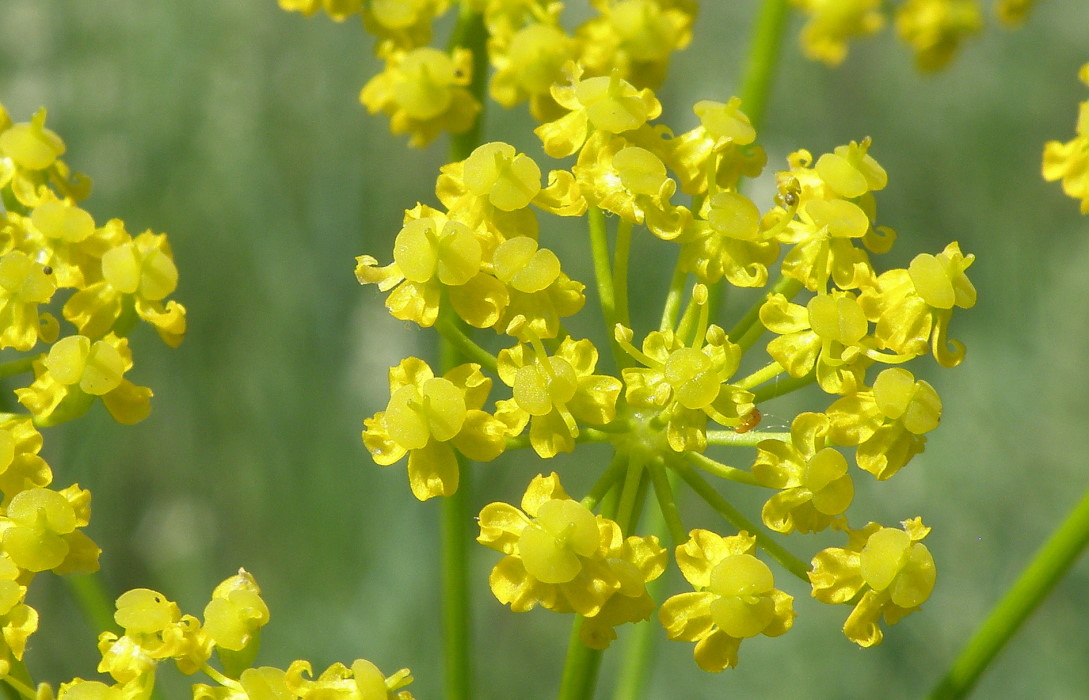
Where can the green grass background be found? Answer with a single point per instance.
(235, 128)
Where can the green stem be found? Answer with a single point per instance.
(763, 56)
(23, 364)
(470, 33)
(749, 439)
(580, 667)
(1050, 563)
(670, 514)
(621, 260)
(721, 470)
(603, 274)
(90, 593)
(457, 642)
(617, 466)
(454, 334)
(749, 329)
(764, 374)
(674, 296)
(732, 515)
(783, 386)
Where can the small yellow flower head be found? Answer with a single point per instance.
(507, 179)
(823, 238)
(426, 416)
(893, 567)
(20, 466)
(729, 243)
(815, 487)
(829, 333)
(24, 285)
(913, 307)
(606, 103)
(141, 270)
(554, 393)
(833, 22)
(527, 64)
(850, 171)
(1069, 161)
(17, 620)
(30, 145)
(423, 92)
(717, 153)
(636, 37)
(735, 599)
(437, 257)
(363, 681)
(935, 28)
(630, 181)
(236, 612)
(79, 689)
(405, 24)
(75, 371)
(38, 529)
(566, 559)
(1013, 13)
(886, 422)
(688, 383)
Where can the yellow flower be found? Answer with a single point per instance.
(886, 422)
(236, 612)
(1069, 161)
(554, 392)
(20, 466)
(636, 37)
(833, 22)
(735, 599)
(566, 559)
(405, 24)
(434, 254)
(527, 63)
(423, 92)
(77, 370)
(39, 529)
(606, 103)
(811, 475)
(729, 242)
(892, 566)
(425, 416)
(24, 284)
(935, 28)
(363, 681)
(689, 384)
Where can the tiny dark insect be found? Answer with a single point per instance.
(47, 270)
(790, 199)
(749, 421)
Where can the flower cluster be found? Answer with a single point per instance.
(155, 630)
(1069, 161)
(676, 392)
(54, 260)
(49, 244)
(424, 91)
(40, 530)
(933, 29)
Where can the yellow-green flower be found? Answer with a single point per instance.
(893, 568)
(814, 487)
(1069, 161)
(566, 559)
(735, 599)
(426, 417)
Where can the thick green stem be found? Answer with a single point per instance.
(457, 643)
(470, 33)
(1050, 563)
(721, 470)
(672, 308)
(621, 261)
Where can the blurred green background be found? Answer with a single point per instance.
(235, 128)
